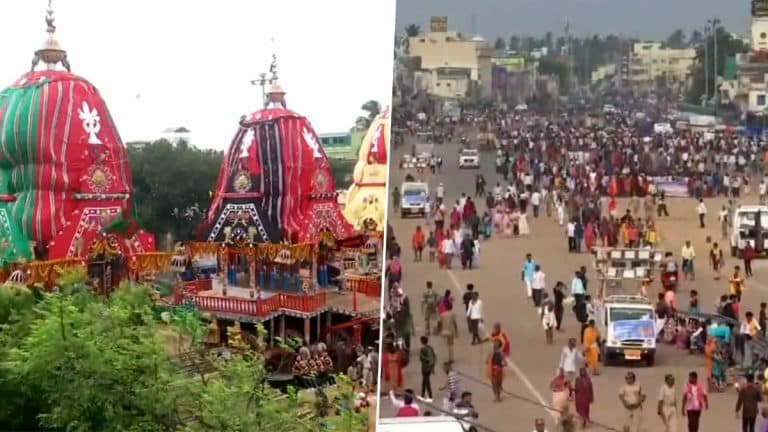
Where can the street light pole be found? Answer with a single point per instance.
(715, 25)
(706, 64)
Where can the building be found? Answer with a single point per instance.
(452, 66)
(342, 145)
(749, 90)
(175, 135)
(651, 61)
(603, 73)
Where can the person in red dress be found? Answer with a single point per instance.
(584, 396)
(392, 363)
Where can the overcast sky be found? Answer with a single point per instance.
(191, 62)
(639, 18)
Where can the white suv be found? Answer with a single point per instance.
(469, 158)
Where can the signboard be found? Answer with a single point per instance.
(759, 8)
(511, 64)
(634, 329)
(438, 24)
(676, 187)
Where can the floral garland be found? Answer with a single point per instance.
(46, 271)
(149, 262)
(262, 251)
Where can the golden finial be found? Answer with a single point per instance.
(276, 94)
(51, 52)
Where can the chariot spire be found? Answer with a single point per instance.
(51, 53)
(276, 94)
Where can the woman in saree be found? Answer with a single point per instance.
(584, 396)
(392, 362)
(507, 223)
(439, 236)
(719, 359)
(591, 349)
(498, 220)
(514, 220)
(497, 335)
(561, 393)
(487, 225)
(495, 369)
(589, 235)
(623, 235)
(709, 353)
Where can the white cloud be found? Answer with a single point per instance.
(164, 63)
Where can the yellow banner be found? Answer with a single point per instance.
(511, 64)
(438, 24)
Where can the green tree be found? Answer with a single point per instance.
(676, 39)
(556, 67)
(371, 109)
(172, 186)
(412, 30)
(696, 39)
(88, 364)
(727, 46)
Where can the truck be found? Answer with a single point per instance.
(414, 198)
(628, 327)
(749, 224)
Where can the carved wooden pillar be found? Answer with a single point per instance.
(307, 330)
(224, 266)
(313, 266)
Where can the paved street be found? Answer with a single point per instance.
(533, 363)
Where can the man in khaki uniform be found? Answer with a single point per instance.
(632, 397)
(668, 406)
(450, 331)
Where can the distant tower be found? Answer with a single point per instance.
(759, 26)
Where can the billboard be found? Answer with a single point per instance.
(511, 64)
(438, 24)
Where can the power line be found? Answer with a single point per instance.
(534, 402)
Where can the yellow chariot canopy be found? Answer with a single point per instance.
(366, 198)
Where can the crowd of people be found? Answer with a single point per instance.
(575, 172)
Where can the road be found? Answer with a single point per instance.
(533, 363)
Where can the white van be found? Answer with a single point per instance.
(743, 228)
(629, 328)
(420, 424)
(414, 197)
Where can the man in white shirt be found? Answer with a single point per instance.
(475, 315)
(687, 253)
(440, 191)
(538, 284)
(449, 250)
(570, 230)
(571, 359)
(536, 202)
(701, 209)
